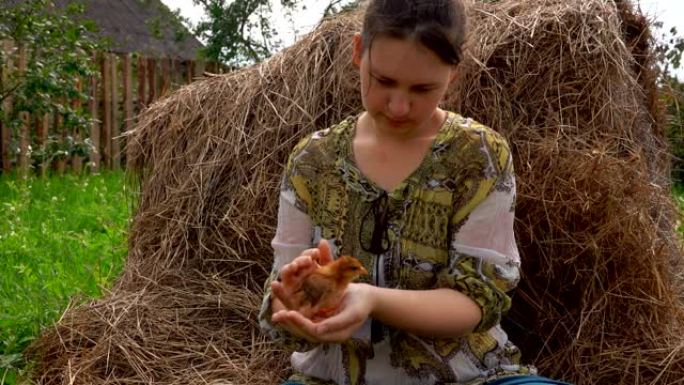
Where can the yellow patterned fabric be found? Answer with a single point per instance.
(433, 241)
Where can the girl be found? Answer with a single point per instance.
(424, 198)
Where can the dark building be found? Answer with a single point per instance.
(143, 26)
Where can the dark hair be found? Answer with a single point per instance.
(440, 25)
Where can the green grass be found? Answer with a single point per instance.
(62, 239)
(678, 193)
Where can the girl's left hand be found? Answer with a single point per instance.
(356, 307)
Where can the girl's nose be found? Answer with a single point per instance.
(399, 106)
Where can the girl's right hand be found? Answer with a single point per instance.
(355, 309)
(292, 321)
(292, 275)
(284, 304)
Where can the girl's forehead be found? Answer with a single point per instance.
(404, 59)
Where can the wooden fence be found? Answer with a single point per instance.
(126, 84)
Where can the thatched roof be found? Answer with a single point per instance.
(144, 26)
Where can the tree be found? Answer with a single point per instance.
(58, 50)
(241, 32)
(669, 51)
(238, 32)
(340, 6)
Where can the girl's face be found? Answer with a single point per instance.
(402, 82)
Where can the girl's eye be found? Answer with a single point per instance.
(422, 90)
(385, 82)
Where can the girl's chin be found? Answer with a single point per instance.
(396, 123)
(401, 126)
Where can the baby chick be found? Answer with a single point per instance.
(322, 290)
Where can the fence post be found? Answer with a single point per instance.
(95, 125)
(174, 73)
(191, 70)
(165, 81)
(76, 159)
(5, 131)
(128, 98)
(115, 130)
(58, 125)
(152, 79)
(42, 127)
(141, 72)
(107, 113)
(200, 68)
(24, 133)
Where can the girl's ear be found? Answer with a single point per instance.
(454, 74)
(357, 50)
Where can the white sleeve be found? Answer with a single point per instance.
(488, 233)
(293, 234)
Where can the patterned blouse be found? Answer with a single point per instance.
(449, 224)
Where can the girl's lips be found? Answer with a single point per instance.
(395, 122)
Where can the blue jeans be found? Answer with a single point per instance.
(514, 380)
(526, 380)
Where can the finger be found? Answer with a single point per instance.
(293, 270)
(303, 266)
(287, 275)
(279, 291)
(313, 254)
(325, 255)
(341, 321)
(303, 327)
(340, 335)
(310, 252)
(310, 329)
(299, 321)
(280, 318)
(295, 323)
(286, 272)
(303, 262)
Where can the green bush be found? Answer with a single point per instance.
(674, 98)
(58, 46)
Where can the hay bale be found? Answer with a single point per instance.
(562, 80)
(200, 330)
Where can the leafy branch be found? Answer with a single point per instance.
(57, 46)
